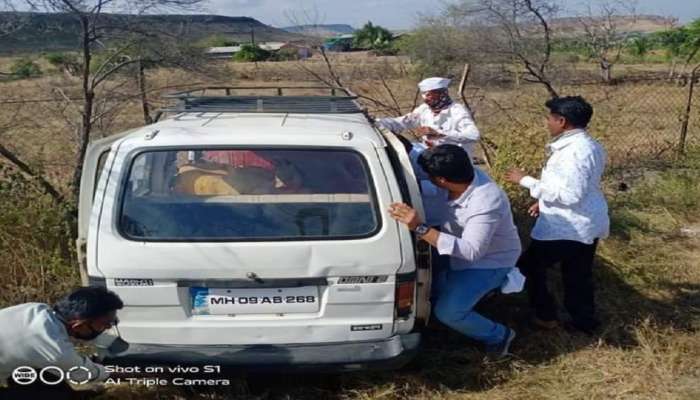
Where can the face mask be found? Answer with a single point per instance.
(94, 332)
(437, 102)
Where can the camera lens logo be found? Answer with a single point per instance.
(51, 375)
(24, 375)
(79, 375)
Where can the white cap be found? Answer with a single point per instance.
(435, 83)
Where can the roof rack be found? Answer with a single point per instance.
(220, 99)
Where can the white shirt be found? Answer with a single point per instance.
(454, 121)
(572, 204)
(32, 335)
(479, 232)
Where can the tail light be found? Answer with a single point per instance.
(404, 298)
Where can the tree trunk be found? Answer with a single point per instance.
(141, 79)
(89, 97)
(686, 114)
(672, 71)
(606, 71)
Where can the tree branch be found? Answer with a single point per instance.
(44, 184)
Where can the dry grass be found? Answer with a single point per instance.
(649, 281)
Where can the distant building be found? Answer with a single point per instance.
(223, 52)
(339, 43)
(303, 51)
(271, 46)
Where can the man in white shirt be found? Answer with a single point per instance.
(439, 120)
(36, 336)
(572, 215)
(480, 239)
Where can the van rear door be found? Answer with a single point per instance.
(403, 170)
(93, 165)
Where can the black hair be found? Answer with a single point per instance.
(88, 303)
(575, 109)
(448, 161)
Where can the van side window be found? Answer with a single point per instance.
(400, 176)
(101, 161)
(248, 194)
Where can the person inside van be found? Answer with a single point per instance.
(478, 236)
(36, 336)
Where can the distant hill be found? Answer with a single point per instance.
(58, 31)
(322, 30)
(625, 24)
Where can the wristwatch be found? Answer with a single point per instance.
(422, 229)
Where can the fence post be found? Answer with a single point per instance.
(462, 95)
(686, 115)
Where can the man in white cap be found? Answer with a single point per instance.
(439, 120)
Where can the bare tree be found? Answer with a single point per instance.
(11, 22)
(516, 30)
(96, 29)
(24, 167)
(603, 35)
(111, 45)
(308, 20)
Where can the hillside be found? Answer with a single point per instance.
(321, 30)
(58, 31)
(638, 24)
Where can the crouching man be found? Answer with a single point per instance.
(36, 336)
(478, 236)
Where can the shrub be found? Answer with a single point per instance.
(37, 252)
(287, 54)
(371, 37)
(58, 59)
(65, 61)
(25, 68)
(251, 53)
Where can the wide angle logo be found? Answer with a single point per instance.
(24, 375)
(52, 375)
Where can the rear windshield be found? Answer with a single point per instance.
(255, 194)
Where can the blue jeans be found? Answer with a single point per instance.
(457, 292)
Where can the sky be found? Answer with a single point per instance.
(395, 14)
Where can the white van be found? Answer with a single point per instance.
(250, 230)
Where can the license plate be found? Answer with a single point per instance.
(209, 301)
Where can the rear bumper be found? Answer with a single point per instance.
(389, 353)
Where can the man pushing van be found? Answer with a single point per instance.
(36, 341)
(479, 237)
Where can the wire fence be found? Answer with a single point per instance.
(643, 121)
(639, 121)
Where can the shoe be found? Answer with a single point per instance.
(502, 348)
(544, 324)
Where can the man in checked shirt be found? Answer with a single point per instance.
(572, 215)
